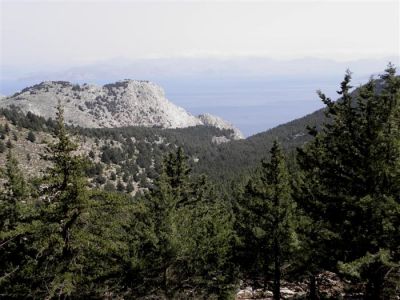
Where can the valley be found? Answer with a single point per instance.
(130, 170)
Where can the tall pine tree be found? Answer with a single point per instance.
(267, 219)
(170, 193)
(193, 230)
(350, 185)
(61, 237)
(15, 205)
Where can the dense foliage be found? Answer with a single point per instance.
(60, 239)
(350, 185)
(333, 205)
(266, 224)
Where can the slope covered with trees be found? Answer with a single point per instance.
(331, 205)
(140, 146)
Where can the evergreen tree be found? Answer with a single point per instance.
(61, 236)
(204, 241)
(31, 136)
(14, 209)
(164, 202)
(350, 187)
(129, 187)
(267, 221)
(118, 237)
(193, 230)
(275, 177)
(9, 144)
(2, 147)
(120, 186)
(7, 128)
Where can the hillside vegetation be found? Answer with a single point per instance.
(151, 213)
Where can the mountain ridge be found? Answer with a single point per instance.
(120, 104)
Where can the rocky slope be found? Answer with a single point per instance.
(330, 286)
(210, 120)
(120, 104)
(127, 159)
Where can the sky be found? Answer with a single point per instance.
(257, 64)
(59, 33)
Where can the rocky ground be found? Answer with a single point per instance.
(329, 284)
(29, 154)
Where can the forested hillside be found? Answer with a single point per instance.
(150, 213)
(126, 157)
(211, 150)
(243, 156)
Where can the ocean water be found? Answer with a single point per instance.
(252, 105)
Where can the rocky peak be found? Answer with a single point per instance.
(123, 103)
(211, 120)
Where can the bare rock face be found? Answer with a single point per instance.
(124, 103)
(219, 140)
(210, 120)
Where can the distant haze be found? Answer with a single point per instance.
(54, 32)
(252, 93)
(254, 63)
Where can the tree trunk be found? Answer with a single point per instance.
(265, 270)
(374, 289)
(375, 282)
(277, 270)
(313, 288)
(164, 283)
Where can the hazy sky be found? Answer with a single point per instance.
(78, 32)
(256, 41)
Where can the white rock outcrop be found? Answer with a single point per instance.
(123, 103)
(211, 120)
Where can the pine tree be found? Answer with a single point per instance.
(14, 208)
(194, 232)
(15, 186)
(31, 136)
(2, 147)
(164, 201)
(350, 182)
(204, 241)
(119, 234)
(267, 212)
(275, 177)
(129, 187)
(7, 128)
(120, 186)
(64, 199)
